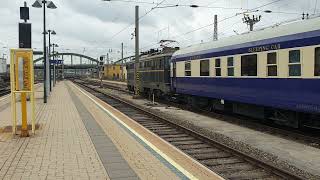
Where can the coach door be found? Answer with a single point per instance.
(173, 76)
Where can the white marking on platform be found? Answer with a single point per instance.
(5, 97)
(176, 165)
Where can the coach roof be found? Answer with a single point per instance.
(268, 33)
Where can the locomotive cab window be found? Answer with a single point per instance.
(230, 66)
(218, 67)
(161, 64)
(187, 68)
(167, 62)
(294, 63)
(317, 62)
(249, 65)
(272, 69)
(204, 68)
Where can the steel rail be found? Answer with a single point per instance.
(310, 138)
(270, 168)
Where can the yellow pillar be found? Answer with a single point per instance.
(24, 124)
(22, 73)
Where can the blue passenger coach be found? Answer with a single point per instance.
(272, 74)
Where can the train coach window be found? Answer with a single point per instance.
(230, 66)
(218, 67)
(204, 68)
(272, 69)
(317, 62)
(187, 68)
(249, 65)
(294, 63)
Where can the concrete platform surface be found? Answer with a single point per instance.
(81, 137)
(60, 149)
(287, 154)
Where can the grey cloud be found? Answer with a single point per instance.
(91, 23)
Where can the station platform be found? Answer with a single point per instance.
(80, 137)
(280, 150)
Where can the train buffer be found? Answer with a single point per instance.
(80, 137)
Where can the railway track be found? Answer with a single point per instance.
(4, 92)
(226, 161)
(4, 89)
(308, 137)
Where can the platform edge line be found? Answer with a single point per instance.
(166, 157)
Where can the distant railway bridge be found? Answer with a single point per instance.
(74, 64)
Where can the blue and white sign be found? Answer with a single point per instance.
(56, 61)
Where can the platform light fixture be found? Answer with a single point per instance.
(50, 32)
(44, 4)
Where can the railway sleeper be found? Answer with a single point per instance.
(154, 125)
(203, 150)
(254, 174)
(165, 130)
(158, 128)
(174, 136)
(149, 121)
(179, 139)
(169, 133)
(215, 155)
(192, 142)
(227, 168)
(222, 161)
(195, 146)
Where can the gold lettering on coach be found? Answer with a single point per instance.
(264, 48)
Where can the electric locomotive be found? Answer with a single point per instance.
(153, 73)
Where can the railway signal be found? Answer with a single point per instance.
(101, 70)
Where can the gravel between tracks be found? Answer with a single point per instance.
(187, 119)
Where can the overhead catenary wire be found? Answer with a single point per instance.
(177, 4)
(157, 6)
(194, 30)
(205, 26)
(197, 29)
(264, 5)
(128, 26)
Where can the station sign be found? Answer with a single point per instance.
(56, 61)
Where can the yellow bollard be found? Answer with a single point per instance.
(24, 126)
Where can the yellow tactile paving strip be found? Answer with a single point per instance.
(183, 162)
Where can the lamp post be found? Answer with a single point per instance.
(53, 33)
(54, 64)
(50, 5)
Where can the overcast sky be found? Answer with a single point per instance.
(94, 27)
